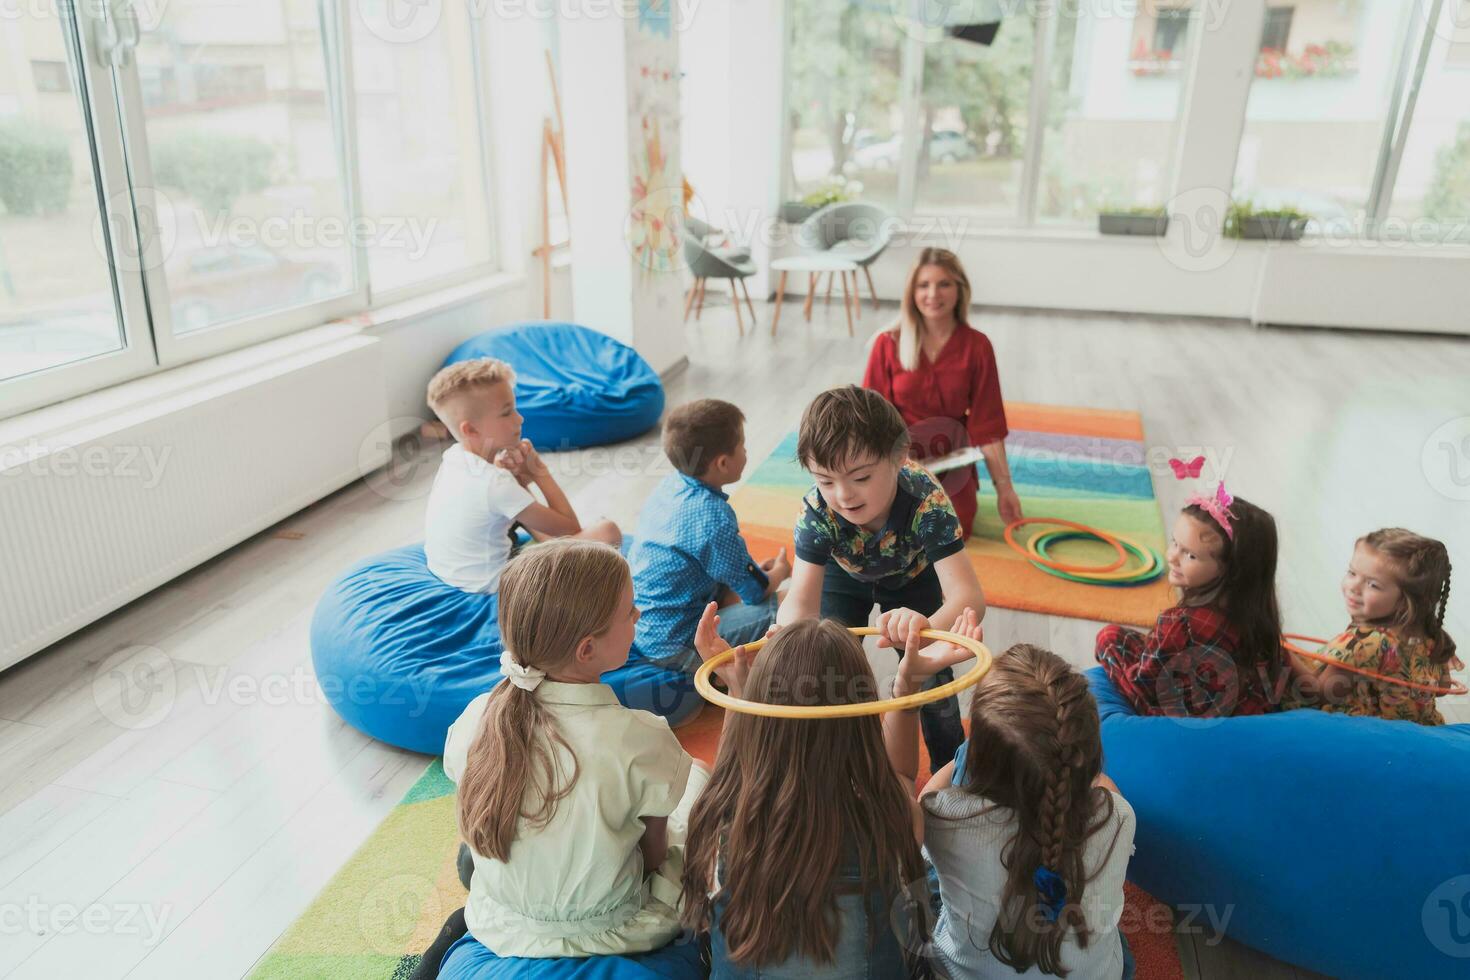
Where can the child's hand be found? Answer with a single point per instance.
(511, 461)
(918, 665)
(710, 644)
(534, 467)
(777, 569)
(897, 625)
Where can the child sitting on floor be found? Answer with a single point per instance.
(573, 806)
(877, 528)
(1030, 840)
(803, 856)
(688, 549)
(1218, 652)
(482, 488)
(1396, 589)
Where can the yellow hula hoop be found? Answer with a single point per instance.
(982, 666)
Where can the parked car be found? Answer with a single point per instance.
(221, 282)
(945, 146)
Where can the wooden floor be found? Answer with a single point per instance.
(199, 828)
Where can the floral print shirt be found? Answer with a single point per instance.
(921, 530)
(1386, 652)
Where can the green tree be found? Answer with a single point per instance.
(35, 167)
(215, 169)
(1448, 197)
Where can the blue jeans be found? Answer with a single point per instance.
(744, 623)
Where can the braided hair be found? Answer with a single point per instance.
(1035, 748)
(1423, 566)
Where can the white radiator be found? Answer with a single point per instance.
(93, 517)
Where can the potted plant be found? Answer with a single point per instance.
(1151, 221)
(834, 189)
(1245, 220)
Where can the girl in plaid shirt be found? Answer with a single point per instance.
(1218, 652)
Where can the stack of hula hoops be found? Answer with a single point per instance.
(1136, 564)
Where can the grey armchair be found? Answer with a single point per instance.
(717, 240)
(854, 231)
(707, 264)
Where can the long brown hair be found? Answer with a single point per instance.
(1423, 567)
(1035, 748)
(789, 799)
(552, 597)
(1246, 589)
(910, 320)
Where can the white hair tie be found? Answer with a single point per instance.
(525, 678)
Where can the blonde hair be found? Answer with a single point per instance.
(466, 377)
(552, 597)
(1423, 567)
(910, 326)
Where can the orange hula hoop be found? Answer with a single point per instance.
(1455, 689)
(1010, 536)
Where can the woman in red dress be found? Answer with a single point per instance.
(940, 373)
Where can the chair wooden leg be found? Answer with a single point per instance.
(871, 291)
(689, 300)
(847, 305)
(780, 291)
(739, 317)
(811, 294)
(857, 295)
(699, 306)
(828, 301)
(745, 288)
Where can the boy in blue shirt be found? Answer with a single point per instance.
(879, 529)
(688, 551)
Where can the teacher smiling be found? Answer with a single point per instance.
(939, 372)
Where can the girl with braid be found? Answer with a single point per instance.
(1030, 840)
(1396, 588)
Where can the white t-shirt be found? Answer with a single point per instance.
(577, 886)
(965, 835)
(467, 531)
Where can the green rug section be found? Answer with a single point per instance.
(387, 903)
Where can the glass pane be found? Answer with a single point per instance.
(1431, 198)
(245, 152)
(1324, 81)
(418, 134)
(56, 298)
(845, 116)
(1115, 97)
(976, 100)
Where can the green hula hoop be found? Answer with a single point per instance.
(1153, 565)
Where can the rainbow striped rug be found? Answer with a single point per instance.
(1079, 464)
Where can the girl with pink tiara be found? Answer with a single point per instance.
(1396, 588)
(1218, 651)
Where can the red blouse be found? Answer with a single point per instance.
(962, 386)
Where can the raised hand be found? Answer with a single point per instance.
(920, 664)
(897, 627)
(710, 644)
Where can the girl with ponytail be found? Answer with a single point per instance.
(572, 805)
(1029, 838)
(1396, 589)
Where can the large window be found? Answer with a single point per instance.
(212, 175)
(1063, 109)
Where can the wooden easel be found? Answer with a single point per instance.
(553, 150)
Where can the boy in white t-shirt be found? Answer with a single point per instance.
(483, 485)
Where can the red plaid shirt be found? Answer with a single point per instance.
(1186, 666)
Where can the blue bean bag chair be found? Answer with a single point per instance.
(1338, 844)
(574, 386)
(468, 959)
(399, 654)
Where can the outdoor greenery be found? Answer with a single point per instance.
(214, 169)
(1241, 210)
(1448, 197)
(35, 167)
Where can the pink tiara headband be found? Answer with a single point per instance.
(1217, 507)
